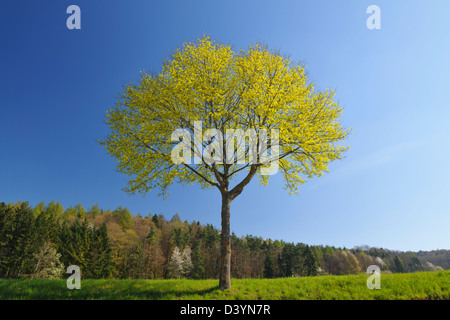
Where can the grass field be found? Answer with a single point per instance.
(422, 285)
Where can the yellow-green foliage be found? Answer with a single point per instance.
(209, 82)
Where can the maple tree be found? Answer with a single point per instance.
(254, 90)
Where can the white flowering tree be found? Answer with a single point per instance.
(180, 264)
(48, 265)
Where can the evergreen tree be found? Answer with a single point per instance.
(211, 236)
(151, 236)
(76, 246)
(81, 212)
(268, 266)
(102, 263)
(18, 243)
(177, 237)
(289, 260)
(309, 262)
(39, 208)
(134, 266)
(155, 220)
(198, 264)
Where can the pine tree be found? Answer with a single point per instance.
(289, 261)
(268, 266)
(17, 239)
(309, 262)
(198, 269)
(177, 237)
(22, 240)
(155, 220)
(77, 247)
(102, 263)
(151, 235)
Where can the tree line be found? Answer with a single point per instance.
(42, 241)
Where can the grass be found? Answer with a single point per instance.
(421, 285)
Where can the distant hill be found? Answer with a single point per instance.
(439, 258)
(409, 261)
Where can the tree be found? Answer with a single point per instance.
(124, 217)
(268, 266)
(101, 259)
(352, 264)
(180, 264)
(94, 211)
(289, 260)
(415, 264)
(309, 262)
(187, 261)
(81, 212)
(40, 207)
(175, 217)
(76, 246)
(18, 241)
(399, 264)
(176, 267)
(244, 93)
(198, 267)
(48, 265)
(177, 237)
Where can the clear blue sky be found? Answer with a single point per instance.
(391, 191)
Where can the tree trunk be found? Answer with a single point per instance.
(225, 246)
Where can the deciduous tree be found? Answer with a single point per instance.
(251, 90)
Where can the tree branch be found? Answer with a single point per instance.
(240, 187)
(202, 176)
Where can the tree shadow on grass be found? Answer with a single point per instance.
(155, 293)
(104, 290)
(139, 290)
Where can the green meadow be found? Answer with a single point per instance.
(406, 286)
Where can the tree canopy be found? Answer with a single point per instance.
(207, 81)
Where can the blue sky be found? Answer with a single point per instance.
(392, 189)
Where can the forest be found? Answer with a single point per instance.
(40, 242)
